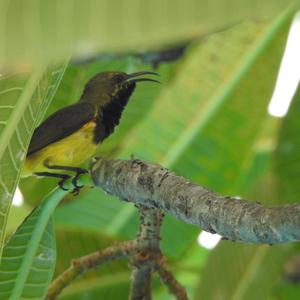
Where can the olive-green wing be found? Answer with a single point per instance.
(61, 124)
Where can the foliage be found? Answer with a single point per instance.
(207, 121)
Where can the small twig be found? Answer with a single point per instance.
(85, 263)
(170, 281)
(147, 251)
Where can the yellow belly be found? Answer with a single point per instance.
(70, 151)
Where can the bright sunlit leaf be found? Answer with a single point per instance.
(289, 73)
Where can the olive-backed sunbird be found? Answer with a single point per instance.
(70, 136)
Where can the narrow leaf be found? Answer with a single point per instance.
(28, 259)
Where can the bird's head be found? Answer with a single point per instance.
(107, 85)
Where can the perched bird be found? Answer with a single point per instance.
(71, 135)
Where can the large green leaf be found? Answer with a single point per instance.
(287, 290)
(236, 271)
(186, 271)
(287, 155)
(242, 272)
(24, 98)
(196, 128)
(28, 259)
(94, 211)
(109, 286)
(254, 270)
(107, 282)
(40, 31)
(195, 125)
(286, 168)
(174, 121)
(75, 243)
(245, 52)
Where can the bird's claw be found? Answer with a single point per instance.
(77, 187)
(61, 183)
(74, 182)
(75, 191)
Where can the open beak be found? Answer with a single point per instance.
(132, 77)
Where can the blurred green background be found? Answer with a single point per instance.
(208, 121)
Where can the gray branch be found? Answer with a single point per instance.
(238, 220)
(147, 248)
(148, 258)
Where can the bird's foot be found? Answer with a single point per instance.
(76, 170)
(77, 187)
(62, 182)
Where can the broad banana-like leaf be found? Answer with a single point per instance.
(24, 98)
(40, 31)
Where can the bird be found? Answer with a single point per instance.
(70, 136)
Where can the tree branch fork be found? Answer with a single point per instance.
(145, 259)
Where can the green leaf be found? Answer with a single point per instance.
(94, 211)
(247, 271)
(286, 170)
(253, 273)
(242, 272)
(40, 271)
(110, 286)
(288, 290)
(286, 158)
(29, 255)
(195, 125)
(24, 99)
(42, 31)
(107, 282)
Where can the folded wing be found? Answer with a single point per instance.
(61, 124)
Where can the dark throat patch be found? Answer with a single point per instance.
(109, 116)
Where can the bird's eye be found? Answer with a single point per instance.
(118, 78)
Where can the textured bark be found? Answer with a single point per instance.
(235, 219)
(146, 253)
(148, 258)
